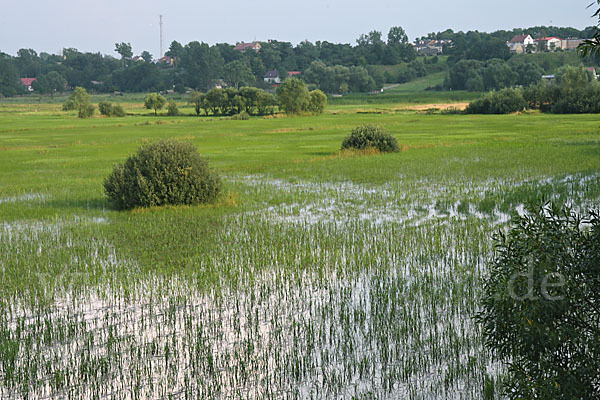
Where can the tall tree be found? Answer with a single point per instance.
(146, 56)
(397, 35)
(9, 77)
(237, 72)
(176, 51)
(50, 83)
(202, 64)
(28, 63)
(124, 49)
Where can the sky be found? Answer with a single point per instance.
(96, 25)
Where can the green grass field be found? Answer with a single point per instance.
(316, 275)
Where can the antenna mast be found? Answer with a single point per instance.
(161, 36)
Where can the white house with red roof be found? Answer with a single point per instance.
(27, 82)
(548, 43)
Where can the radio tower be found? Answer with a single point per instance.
(161, 37)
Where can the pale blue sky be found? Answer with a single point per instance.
(95, 25)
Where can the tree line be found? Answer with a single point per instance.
(333, 68)
(293, 97)
(482, 46)
(195, 65)
(520, 70)
(572, 90)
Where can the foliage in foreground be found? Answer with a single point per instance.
(167, 172)
(591, 46)
(504, 101)
(370, 137)
(80, 101)
(541, 306)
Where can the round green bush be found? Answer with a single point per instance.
(162, 173)
(118, 110)
(370, 137)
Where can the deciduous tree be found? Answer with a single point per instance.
(154, 101)
(80, 101)
(293, 96)
(50, 83)
(237, 72)
(197, 99)
(124, 49)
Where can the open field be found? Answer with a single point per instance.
(316, 275)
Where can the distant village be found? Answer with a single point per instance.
(519, 44)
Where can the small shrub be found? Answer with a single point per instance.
(504, 101)
(243, 116)
(370, 136)
(118, 111)
(111, 110)
(172, 109)
(86, 111)
(163, 173)
(105, 108)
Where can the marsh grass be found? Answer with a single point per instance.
(316, 275)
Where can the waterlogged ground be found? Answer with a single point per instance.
(317, 275)
(312, 289)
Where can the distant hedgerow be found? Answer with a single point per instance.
(163, 173)
(504, 101)
(370, 136)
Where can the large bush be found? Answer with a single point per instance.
(317, 103)
(540, 309)
(370, 137)
(504, 101)
(172, 109)
(162, 173)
